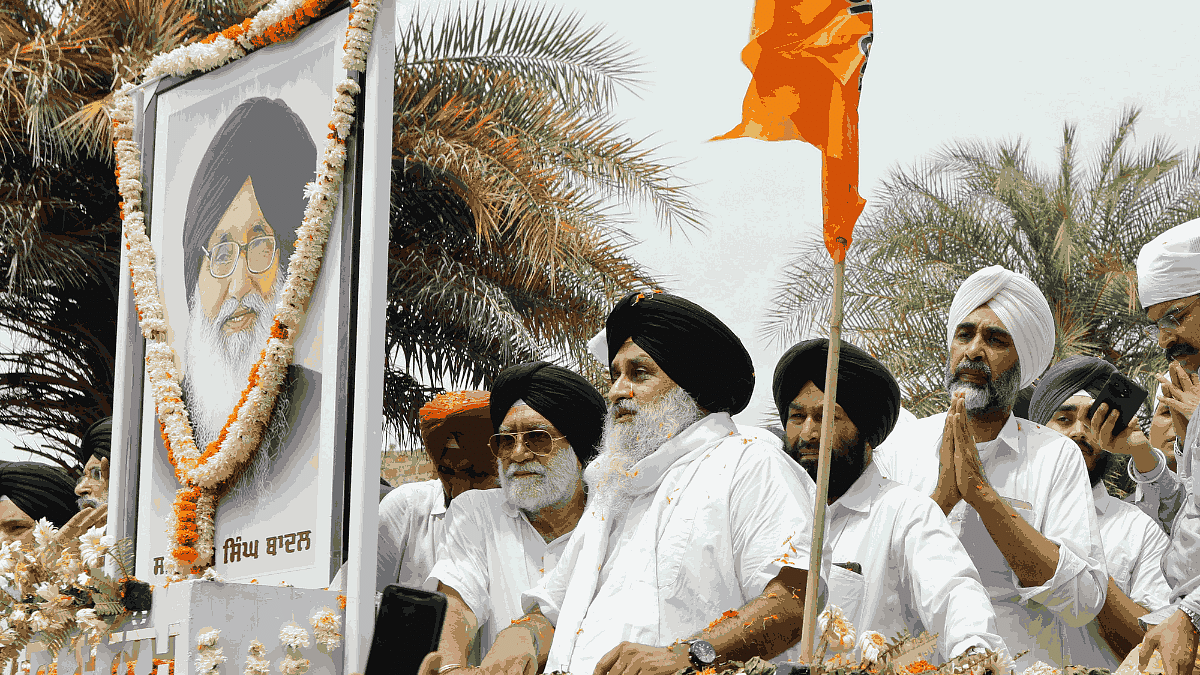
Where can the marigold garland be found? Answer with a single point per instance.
(191, 525)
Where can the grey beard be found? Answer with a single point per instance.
(218, 368)
(555, 485)
(998, 394)
(89, 502)
(626, 443)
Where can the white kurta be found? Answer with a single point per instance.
(1133, 549)
(916, 576)
(716, 516)
(1041, 474)
(490, 553)
(410, 525)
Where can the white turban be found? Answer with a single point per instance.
(1020, 305)
(1168, 268)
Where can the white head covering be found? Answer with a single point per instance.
(1019, 303)
(1168, 268)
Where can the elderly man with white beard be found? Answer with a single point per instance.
(693, 549)
(243, 210)
(498, 543)
(1017, 494)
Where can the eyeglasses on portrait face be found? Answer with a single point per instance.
(222, 259)
(537, 441)
(1169, 321)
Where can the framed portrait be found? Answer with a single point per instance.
(227, 156)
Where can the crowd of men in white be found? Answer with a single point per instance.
(623, 533)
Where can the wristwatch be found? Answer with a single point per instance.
(701, 654)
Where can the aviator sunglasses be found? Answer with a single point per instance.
(537, 441)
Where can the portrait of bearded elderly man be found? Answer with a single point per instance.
(686, 519)
(499, 543)
(1133, 542)
(455, 427)
(1016, 493)
(244, 206)
(897, 566)
(1168, 270)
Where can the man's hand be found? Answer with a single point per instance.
(1175, 639)
(629, 658)
(430, 664)
(1130, 441)
(968, 469)
(80, 523)
(1181, 393)
(513, 653)
(946, 494)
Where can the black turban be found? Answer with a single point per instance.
(97, 440)
(691, 345)
(39, 490)
(264, 140)
(568, 401)
(1066, 377)
(865, 389)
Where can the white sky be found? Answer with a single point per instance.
(938, 71)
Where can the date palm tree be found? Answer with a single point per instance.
(505, 245)
(1075, 231)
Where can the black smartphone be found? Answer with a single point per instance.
(1121, 393)
(407, 628)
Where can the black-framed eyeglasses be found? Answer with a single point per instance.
(1169, 321)
(537, 441)
(222, 259)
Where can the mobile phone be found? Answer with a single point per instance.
(1121, 393)
(408, 627)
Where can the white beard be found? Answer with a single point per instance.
(626, 443)
(554, 485)
(218, 368)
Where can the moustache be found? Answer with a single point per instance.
(252, 301)
(532, 466)
(977, 366)
(625, 405)
(1180, 350)
(87, 503)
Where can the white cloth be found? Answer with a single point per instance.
(1168, 268)
(410, 525)
(1041, 474)
(916, 575)
(1133, 548)
(490, 553)
(715, 517)
(1019, 303)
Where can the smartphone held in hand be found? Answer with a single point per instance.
(1123, 394)
(407, 628)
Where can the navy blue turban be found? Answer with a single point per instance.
(39, 490)
(866, 389)
(691, 345)
(1072, 374)
(97, 440)
(566, 399)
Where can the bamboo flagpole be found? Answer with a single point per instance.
(827, 415)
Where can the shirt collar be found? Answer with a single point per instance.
(648, 473)
(1006, 442)
(439, 504)
(863, 491)
(1102, 498)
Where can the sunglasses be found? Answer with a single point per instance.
(1170, 322)
(537, 441)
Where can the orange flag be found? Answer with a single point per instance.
(807, 59)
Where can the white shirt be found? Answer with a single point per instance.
(490, 553)
(1041, 474)
(715, 517)
(916, 575)
(410, 525)
(1133, 550)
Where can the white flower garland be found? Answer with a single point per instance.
(243, 433)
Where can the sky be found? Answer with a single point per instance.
(939, 72)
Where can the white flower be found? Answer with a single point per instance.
(208, 638)
(18, 616)
(44, 532)
(871, 644)
(293, 666)
(92, 547)
(39, 622)
(293, 636)
(211, 574)
(47, 591)
(208, 659)
(325, 625)
(837, 632)
(83, 580)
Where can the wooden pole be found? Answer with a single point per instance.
(818, 534)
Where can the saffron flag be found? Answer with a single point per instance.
(807, 59)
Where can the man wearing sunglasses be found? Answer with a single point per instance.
(499, 543)
(693, 549)
(1168, 270)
